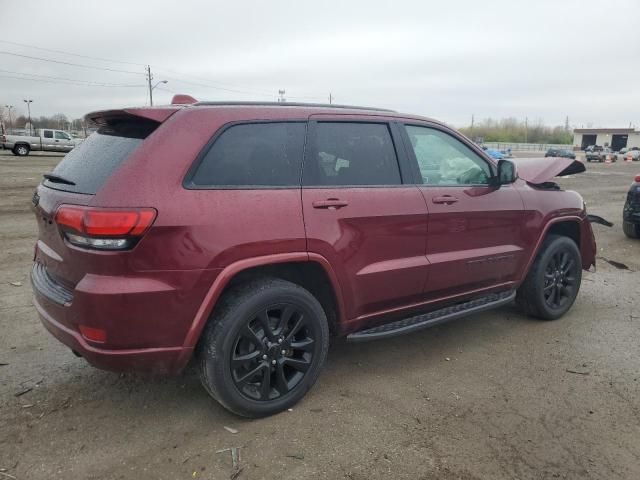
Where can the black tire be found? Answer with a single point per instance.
(252, 385)
(21, 150)
(553, 281)
(631, 230)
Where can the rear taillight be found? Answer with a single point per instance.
(104, 228)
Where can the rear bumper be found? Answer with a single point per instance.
(167, 360)
(144, 318)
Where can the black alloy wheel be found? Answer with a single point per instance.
(553, 281)
(272, 353)
(560, 279)
(264, 346)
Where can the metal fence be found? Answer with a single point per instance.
(526, 147)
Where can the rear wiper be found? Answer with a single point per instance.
(52, 177)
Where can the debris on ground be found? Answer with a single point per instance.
(5, 474)
(235, 455)
(231, 430)
(614, 263)
(2, 364)
(16, 284)
(582, 369)
(577, 372)
(22, 392)
(447, 359)
(297, 456)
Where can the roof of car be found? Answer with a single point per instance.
(316, 108)
(162, 112)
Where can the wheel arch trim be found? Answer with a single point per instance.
(230, 271)
(554, 221)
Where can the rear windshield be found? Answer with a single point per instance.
(92, 162)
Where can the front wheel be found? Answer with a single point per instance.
(264, 347)
(553, 282)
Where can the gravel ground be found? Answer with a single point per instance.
(494, 396)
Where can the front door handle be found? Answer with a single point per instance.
(330, 204)
(446, 199)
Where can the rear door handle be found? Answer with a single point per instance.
(447, 199)
(330, 204)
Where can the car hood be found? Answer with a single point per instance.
(540, 170)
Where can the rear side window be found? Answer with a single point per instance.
(92, 162)
(253, 154)
(346, 153)
(48, 134)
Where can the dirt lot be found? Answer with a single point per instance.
(494, 396)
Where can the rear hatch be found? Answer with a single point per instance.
(75, 181)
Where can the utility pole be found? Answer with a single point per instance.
(566, 123)
(526, 128)
(149, 78)
(9, 107)
(28, 102)
(281, 98)
(472, 122)
(330, 98)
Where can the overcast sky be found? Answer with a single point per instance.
(446, 59)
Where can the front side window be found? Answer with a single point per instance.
(62, 136)
(254, 154)
(344, 153)
(444, 160)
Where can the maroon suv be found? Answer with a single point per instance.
(244, 234)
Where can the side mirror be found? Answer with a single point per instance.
(506, 172)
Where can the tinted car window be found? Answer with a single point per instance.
(48, 134)
(444, 160)
(92, 162)
(256, 154)
(351, 154)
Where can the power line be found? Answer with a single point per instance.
(86, 84)
(69, 63)
(71, 54)
(208, 84)
(75, 80)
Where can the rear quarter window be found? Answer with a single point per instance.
(252, 155)
(92, 162)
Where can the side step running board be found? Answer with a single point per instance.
(436, 317)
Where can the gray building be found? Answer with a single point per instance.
(615, 138)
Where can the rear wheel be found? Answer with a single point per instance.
(21, 150)
(631, 230)
(553, 282)
(264, 347)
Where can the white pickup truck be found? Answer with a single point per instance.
(47, 140)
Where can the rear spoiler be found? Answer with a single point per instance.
(156, 114)
(109, 117)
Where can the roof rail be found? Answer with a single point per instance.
(291, 104)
